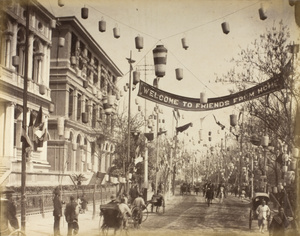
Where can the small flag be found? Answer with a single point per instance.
(183, 128)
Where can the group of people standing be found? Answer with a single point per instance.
(71, 212)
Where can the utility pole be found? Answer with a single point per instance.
(130, 61)
(25, 130)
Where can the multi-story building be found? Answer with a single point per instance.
(82, 82)
(12, 71)
(74, 82)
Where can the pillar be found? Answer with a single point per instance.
(9, 130)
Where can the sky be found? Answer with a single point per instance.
(166, 22)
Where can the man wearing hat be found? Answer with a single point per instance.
(57, 212)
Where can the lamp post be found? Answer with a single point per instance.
(160, 60)
(130, 61)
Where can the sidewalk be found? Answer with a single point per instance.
(36, 225)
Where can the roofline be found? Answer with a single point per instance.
(76, 23)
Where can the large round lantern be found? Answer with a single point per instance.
(225, 27)
(107, 108)
(139, 43)
(84, 13)
(160, 60)
(203, 98)
(51, 107)
(60, 126)
(200, 134)
(102, 25)
(136, 77)
(262, 14)
(179, 73)
(116, 31)
(233, 120)
(184, 43)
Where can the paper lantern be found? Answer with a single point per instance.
(262, 14)
(136, 101)
(74, 146)
(179, 73)
(184, 43)
(136, 77)
(284, 169)
(42, 89)
(111, 99)
(102, 25)
(106, 178)
(125, 88)
(139, 108)
(61, 41)
(15, 61)
(53, 23)
(233, 120)
(139, 43)
(60, 125)
(107, 108)
(61, 3)
(160, 60)
(293, 164)
(225, 27)
(129, 175)
(85, 84)
(84, 13)
(116, 31)
(51, 107)
(265, 141)
(73, 60)
(94, 90)
(275, 189)
(85, 119)
(203, 98)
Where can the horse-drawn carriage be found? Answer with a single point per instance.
(256, 201)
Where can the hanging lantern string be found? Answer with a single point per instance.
(119, 22)
(193, 74)
(209, 22)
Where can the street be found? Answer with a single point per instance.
(184, 215)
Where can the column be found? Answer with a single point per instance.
(2, 127)
(9, 130)
(30, 56)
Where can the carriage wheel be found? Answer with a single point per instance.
(17, 233)
(145, 214)
(250, 219)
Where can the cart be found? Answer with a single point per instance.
(111, 218)
(256, 201)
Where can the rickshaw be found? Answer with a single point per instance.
(111, 218)
(256, 201)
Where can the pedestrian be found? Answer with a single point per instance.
(125, 197)
(140, 205)
(157, 200)
(133, 193)
(125, 212)
(278, 223)
(263, 212)
(71, 215)
(57, 211)
(8, 212)
(84, 203)
(79, 202)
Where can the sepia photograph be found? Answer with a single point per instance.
(149, 117)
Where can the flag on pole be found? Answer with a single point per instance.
(183, 128)
(40, 133)
(176, 114)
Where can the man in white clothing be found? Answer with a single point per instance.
(263, 212)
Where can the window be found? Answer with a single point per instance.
(94, 116)
(37, 62)
(79, 107)
(73, 44)
(71, 91)
(21, 51)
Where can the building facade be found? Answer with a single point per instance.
(71, 85)
(12, 71)
(83, 88)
